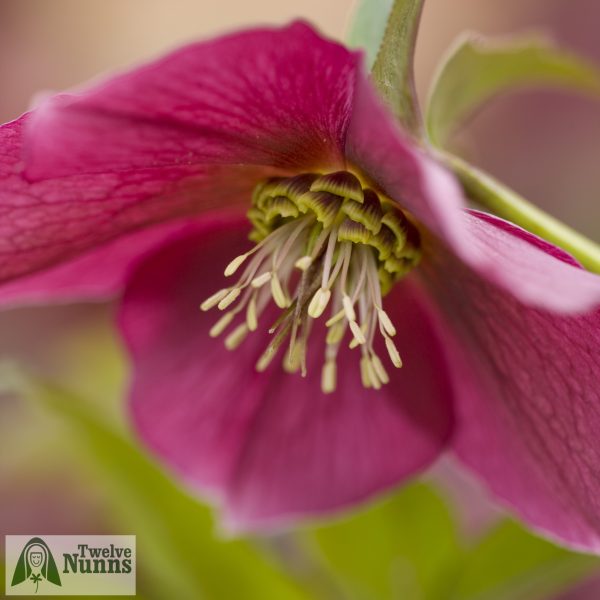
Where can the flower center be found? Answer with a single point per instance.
(321, 241)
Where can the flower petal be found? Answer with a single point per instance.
(310, 453)
(271, 447)
(95, 276)
(534, 271)
(192, 131)
(529, 419)
(500, 251)
(377, 145)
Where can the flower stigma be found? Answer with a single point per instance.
(323, 243)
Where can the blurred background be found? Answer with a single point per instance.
(67, 461)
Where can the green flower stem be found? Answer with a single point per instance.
(507, 204)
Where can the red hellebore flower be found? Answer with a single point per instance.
(139, 186)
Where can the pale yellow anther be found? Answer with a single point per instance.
(213, 300)
(265, 359)
(251, 316)
(260, 280)
(328, 377)
(335, 333)
(218, 328)
(386, 322)
(319, 303)
(379, 369)
(303, 263)
(233, 266)
(230, 298)
(372, 374)
(293, 358)
(357, 332)
(277, 292)
(348, 308)
(364, 372)
(236, 337)
(393, 352)
(337, 317)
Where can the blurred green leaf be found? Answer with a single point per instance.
(387, 29)
(405, 547)
(477, 69)
(178, 553)
(511, 564)
(368, 27)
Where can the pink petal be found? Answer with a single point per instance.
(378, 146)
(192, 131)
(500, 251)
(529, 420)
(271, 447)
(97, 275)
(534, 271)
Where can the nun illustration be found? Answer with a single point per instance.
(35, 564)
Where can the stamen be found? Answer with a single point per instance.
(230, 298)
(236, 337)
(213, 300)
(277, 292)
(251, 316)
(328, 377)
(379, 369)
(357, 332)
(320, 240)
(261, 280)
(355, 343)
(219, 327)
(337, 317)
(293, 359)
(319, 303)
(386, 323)
(303, 263)
(372, 374)
(364, 372)
(265, 359)
(393, 352)
(335, 333)
(348, 308)
(233, 266)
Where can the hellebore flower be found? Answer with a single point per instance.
(141, 184)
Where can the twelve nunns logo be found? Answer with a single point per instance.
(36, 563)
(98, 560)
(70, 565)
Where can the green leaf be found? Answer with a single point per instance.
(477, 69)
(511, 563)
(403, 547)
(387, 29)
(368, 27)
(178, 553)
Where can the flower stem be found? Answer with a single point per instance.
(505, 203)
